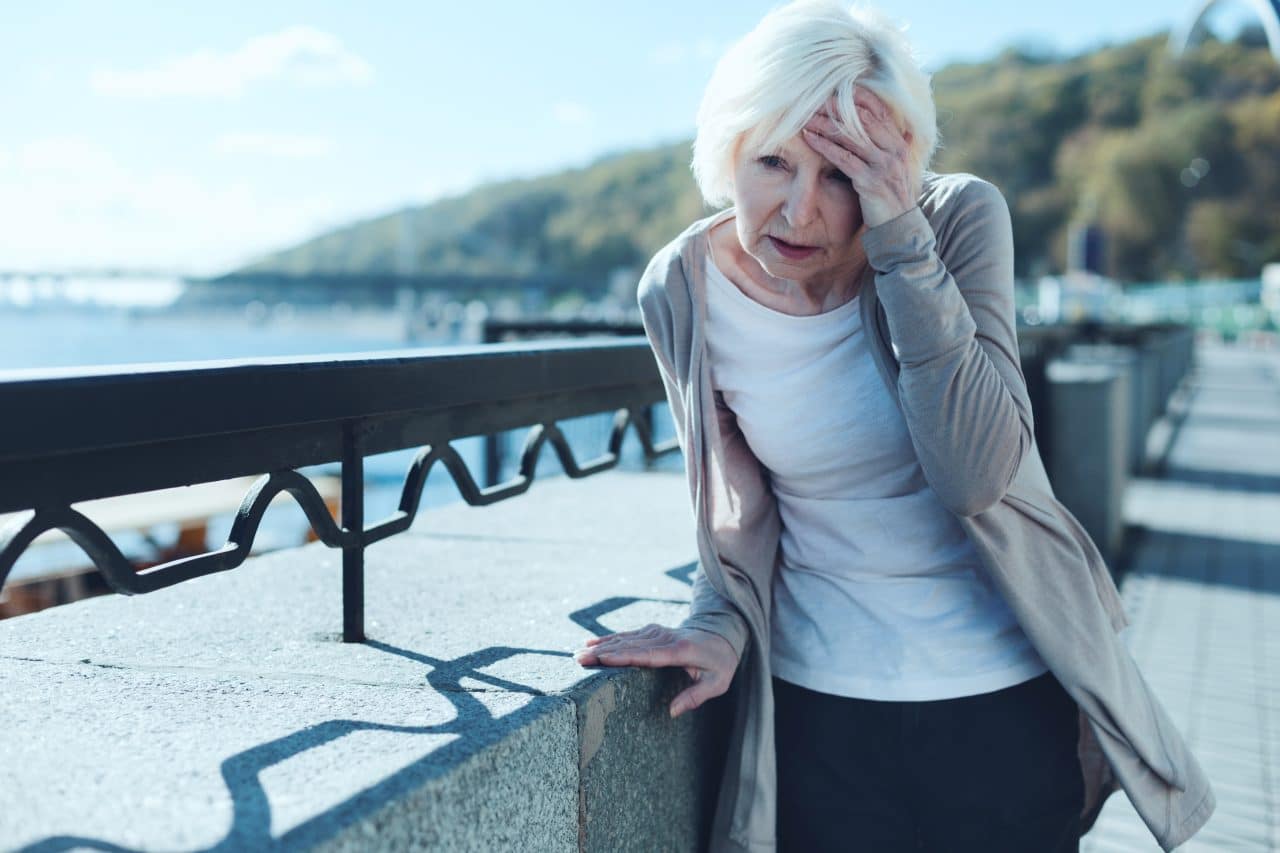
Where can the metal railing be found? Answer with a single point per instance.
(495, 331)
(77, 434)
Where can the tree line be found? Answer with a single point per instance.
(1178, 162)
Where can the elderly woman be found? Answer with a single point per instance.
(922, 641)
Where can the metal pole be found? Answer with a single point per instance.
(492, 458)
(646, 416)
(492, 334)
(352, 522)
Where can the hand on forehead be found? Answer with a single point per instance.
(870, 106)
(877, 159)
(874, 114)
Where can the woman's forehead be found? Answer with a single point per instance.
(794, 148)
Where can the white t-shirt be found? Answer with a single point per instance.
(879, 594)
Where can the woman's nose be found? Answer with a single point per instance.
(802, 202)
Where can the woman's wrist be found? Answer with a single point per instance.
(906, 238)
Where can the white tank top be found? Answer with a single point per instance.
(879, 594)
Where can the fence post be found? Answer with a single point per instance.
(491, 333)
(353, 522)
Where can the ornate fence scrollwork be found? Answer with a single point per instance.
(592, 380)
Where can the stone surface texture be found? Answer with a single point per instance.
(226, 713)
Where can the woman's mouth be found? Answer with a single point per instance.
(791, 251)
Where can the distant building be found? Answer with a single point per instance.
(1086, 249)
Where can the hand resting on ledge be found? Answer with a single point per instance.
(707, 658)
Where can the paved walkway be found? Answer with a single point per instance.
(1204, 598)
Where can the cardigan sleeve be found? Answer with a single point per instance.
(708, 610)
(712, 612)
(960, 383)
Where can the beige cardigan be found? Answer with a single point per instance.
(938, 295)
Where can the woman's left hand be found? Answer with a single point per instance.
(879, 167)
(707, 658)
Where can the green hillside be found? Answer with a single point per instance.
(1179, 162)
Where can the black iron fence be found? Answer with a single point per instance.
(71, 435)
(497, 446)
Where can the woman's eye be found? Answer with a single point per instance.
(839, 177)
(771, 161)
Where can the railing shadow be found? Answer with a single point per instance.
(242, 773)
(1242, 481)
(1209, 560)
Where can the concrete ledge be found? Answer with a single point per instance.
(225, 711)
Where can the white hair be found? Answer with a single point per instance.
(768, 84)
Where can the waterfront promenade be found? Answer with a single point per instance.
(1203, 595)
(224, 713)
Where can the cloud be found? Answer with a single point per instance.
(680, 52)
(301, 55)
(70, 203)
(70, 155)
(571, 112)
(289, 146)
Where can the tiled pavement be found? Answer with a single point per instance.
(1203, 594)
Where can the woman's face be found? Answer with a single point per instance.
(797, 214)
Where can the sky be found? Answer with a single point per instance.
(193, 138)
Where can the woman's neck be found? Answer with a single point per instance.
(799, 298)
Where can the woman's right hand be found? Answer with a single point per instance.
(707, 658)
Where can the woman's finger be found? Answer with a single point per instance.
(882, 133)
(827, 126)
(691, 698)
(646, 655)
(611, 642)
(831, 109)
(878, 131)
(863, 96)
(592, 646)
(665, 650)
(844, 159)
(649, 630)
(878, 118)
(868, 148)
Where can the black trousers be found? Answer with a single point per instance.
(992, 772)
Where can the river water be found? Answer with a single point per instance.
(67, 338)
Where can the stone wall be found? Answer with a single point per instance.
(225, 712)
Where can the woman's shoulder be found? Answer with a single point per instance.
(668, 264)
(946, 195)
(966, 213)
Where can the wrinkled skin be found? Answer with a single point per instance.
(707, 658)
